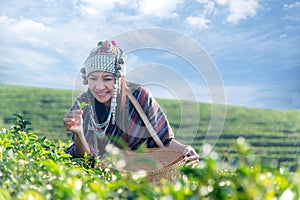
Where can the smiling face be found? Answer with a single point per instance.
(101, 84)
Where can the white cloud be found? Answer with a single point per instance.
(209, 7)
(31, 60)
(236, 11)
(98, 8)
(292, 18)
(283, 35)
(239, 10)
(159, 8)
(71, 40)
(292, 5)
(32, 48)
(199, 21)
(202, 1)
(222, 2)
(24, 30)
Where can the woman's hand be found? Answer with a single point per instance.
(73, 121)
(190, 156)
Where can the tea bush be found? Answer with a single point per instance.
(38, 168)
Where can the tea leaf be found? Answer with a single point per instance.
(82, 105)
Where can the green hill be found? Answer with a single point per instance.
(275, 134)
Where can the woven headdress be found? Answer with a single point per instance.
(106, 57)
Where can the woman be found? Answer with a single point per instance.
(109, 116)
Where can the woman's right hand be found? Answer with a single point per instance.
(73, 121)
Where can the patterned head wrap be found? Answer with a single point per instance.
(106, 57)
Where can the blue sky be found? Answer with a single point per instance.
(254, 45)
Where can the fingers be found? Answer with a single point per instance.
(72, 118)
(72, 115)
(191, 158)
(192, 163)
(190, 151)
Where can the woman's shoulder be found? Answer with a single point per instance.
(137, 89)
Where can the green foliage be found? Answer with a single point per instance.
(20, 124)
(82, 105)
(38, 168)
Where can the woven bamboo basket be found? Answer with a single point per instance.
(158, 163)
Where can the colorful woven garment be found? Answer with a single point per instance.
(129, 129)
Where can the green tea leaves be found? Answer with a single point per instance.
(82, 105)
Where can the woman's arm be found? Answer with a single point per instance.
(73, 122)
(161, 125)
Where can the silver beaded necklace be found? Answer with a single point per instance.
(103, 126)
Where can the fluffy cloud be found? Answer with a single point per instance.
(199, 22)
(28, 59)
(159, 8)
(239, 10)
(98, 8)
(24, 30)
(235, 11)
(292, 5)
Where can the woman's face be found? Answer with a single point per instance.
(101, 84)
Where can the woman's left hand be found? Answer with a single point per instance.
(190, 156)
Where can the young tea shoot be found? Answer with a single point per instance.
(82, 105)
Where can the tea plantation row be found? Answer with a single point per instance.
(275, 134)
